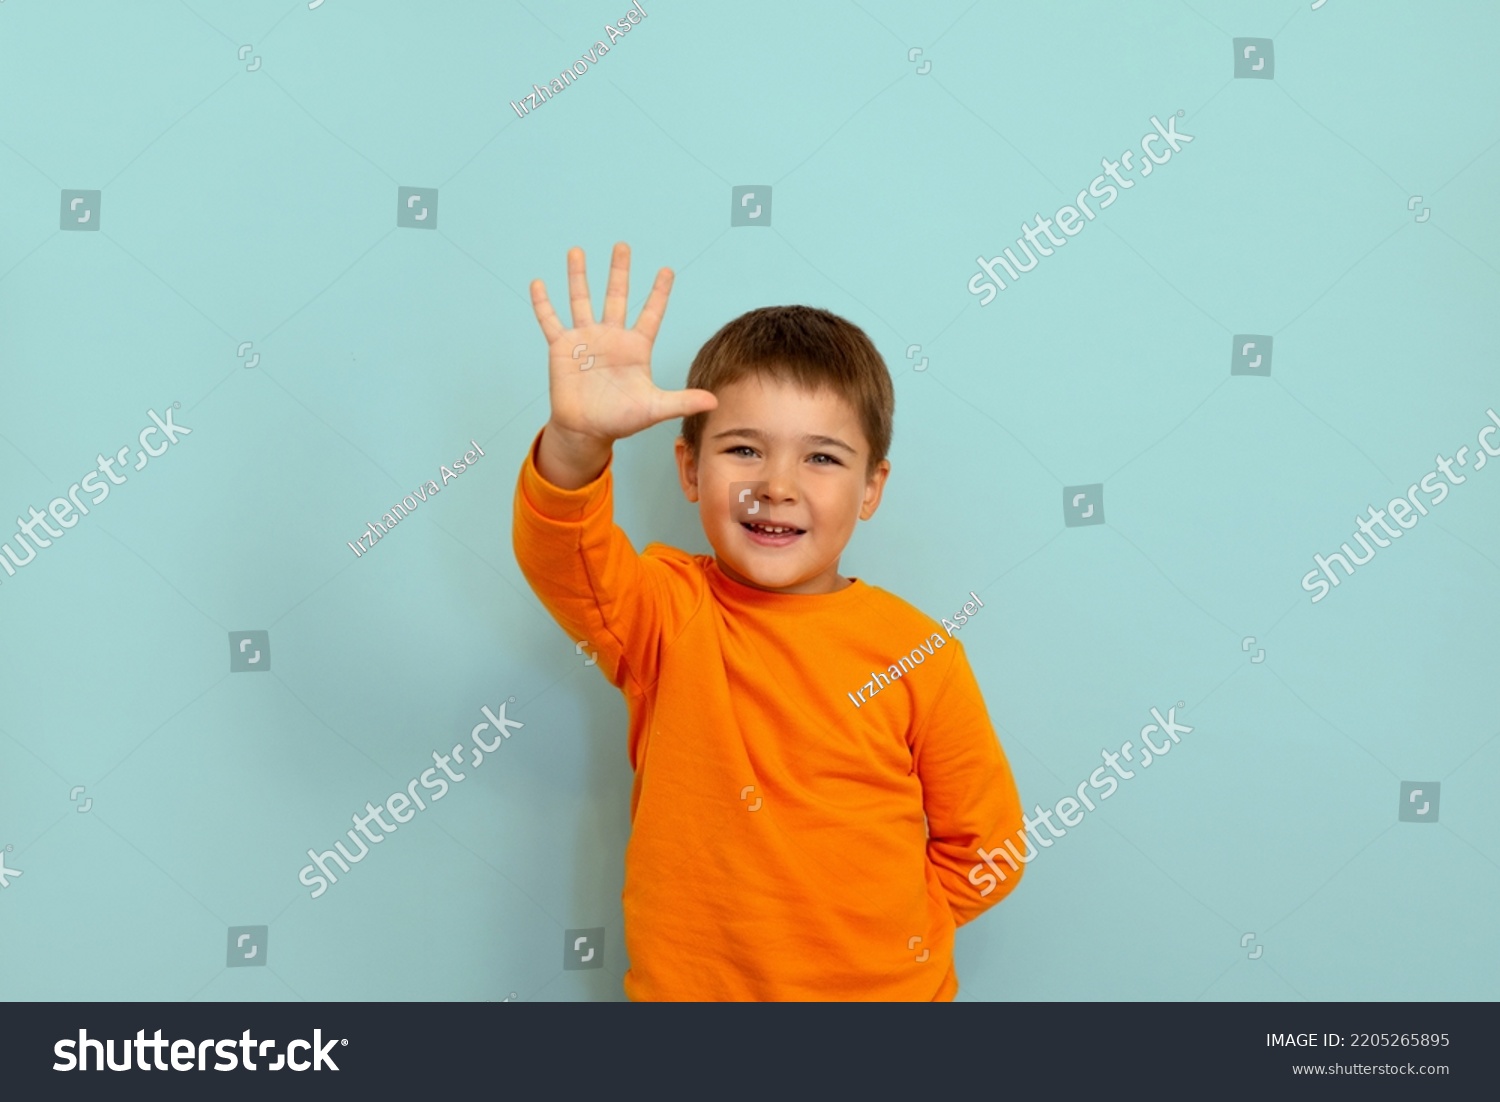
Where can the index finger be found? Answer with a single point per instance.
(656, 305)
(546, 316)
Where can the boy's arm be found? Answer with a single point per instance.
(576, 559)
(968, 793)
(582, 566)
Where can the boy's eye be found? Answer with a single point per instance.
(747, 448)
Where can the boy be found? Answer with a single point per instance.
(778, 846)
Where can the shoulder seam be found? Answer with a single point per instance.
(691, 560)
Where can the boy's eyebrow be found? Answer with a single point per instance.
(756, 434)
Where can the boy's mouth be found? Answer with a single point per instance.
(772, 535)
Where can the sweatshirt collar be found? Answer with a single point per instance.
(739, 593)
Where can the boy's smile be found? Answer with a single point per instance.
(773, 455)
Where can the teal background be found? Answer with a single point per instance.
(261, 206)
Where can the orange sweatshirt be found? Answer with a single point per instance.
(777, 847)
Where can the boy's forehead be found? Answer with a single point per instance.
(768, 408)
(779, 397)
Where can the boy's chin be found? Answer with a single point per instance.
(763, 574)
(768, 575)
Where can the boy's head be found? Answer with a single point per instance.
(799, 439)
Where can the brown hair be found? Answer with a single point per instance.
(810, 347)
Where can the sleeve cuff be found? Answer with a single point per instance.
(553, 501)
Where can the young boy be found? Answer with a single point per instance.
(783, 760)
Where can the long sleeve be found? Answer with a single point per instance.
(586, 573)
(968, 792)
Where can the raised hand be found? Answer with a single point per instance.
(599, 372)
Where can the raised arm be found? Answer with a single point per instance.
(580, 564)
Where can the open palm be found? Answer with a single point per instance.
(599, 372)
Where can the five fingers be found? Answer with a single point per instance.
(616, 296)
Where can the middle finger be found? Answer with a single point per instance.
(578, 289)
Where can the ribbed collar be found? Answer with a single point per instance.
(733, 592)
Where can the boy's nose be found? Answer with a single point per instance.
(781, 484)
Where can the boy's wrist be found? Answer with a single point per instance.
(578, 441)
(571, 459)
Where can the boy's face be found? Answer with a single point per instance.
(806, 454)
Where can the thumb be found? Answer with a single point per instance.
(685, 403)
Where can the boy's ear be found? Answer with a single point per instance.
(874, 487)
(687, 469)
